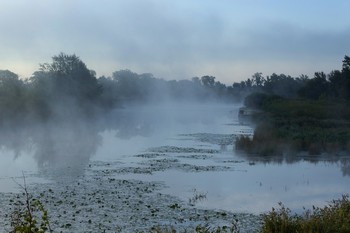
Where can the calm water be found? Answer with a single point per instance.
(235, 182)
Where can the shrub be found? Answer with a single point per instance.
(29, 216)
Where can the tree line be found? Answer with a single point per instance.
(332, 87)
(66, 87)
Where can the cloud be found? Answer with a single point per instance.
(172, 39)
(282, 40)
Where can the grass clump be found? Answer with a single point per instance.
(335, 217)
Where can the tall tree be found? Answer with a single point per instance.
(208, 81)
(71, 76)
(12, 101)
(65, 87)
(258, 79)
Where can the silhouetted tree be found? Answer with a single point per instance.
(64, 87)
(346, 64)
(258, 79)
(249, 83)
(337, 89)
(128, 85)
(71, 76)
(316, 87)
(346, 78)
(282, 85)
(208, 81)
(12, 98)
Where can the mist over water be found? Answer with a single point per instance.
(56, 145)
(192, 147)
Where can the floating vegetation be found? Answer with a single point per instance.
(195, 156)
(217, 139)
(99, 202)
(164, 164)
(175, 149)
(149, 155)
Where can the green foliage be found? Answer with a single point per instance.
(27, 221)
(29, 216)
(332, 218)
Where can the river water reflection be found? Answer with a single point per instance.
(189, 148)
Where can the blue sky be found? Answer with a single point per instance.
(229, 39)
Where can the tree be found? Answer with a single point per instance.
(64, 88)
(283, 85)
(12, 92)
(70, 76)
(346, 78)
(208, 81)
(346, 64)
(316, 87)
(127, 84)
(336, 84)
(258, 79)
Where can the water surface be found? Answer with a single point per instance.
(190, 148)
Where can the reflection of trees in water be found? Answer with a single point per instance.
(345, 167)
(66, 148)
(15, 140)
(290, 158)
(59, 149)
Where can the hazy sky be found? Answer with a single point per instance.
(178, 39)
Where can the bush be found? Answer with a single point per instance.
(29, 216)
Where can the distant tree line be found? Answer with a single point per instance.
(66, 87)
(334, 86)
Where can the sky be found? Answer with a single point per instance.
(178, 39)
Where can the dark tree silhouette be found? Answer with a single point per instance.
(12, 98)
(71, 76)
(208, 81)
(64, 88)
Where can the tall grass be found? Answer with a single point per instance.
(333, 218)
